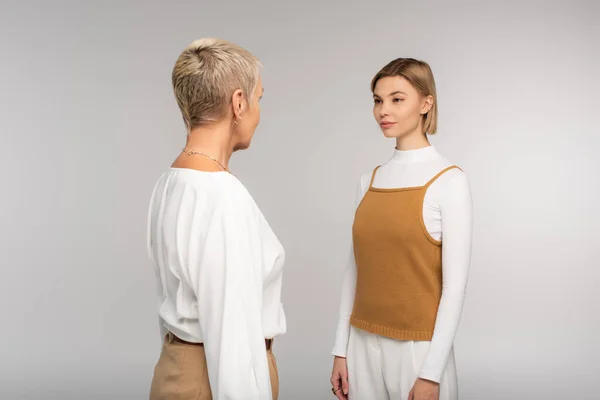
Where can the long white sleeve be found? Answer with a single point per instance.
(162, 331)
(456, 216)
(228, 286)
(348, 290)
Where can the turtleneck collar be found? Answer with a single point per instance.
(414, 156)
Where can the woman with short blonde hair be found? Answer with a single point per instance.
(218, 263)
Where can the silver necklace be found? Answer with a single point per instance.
(194, 152)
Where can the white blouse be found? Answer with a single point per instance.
(447, 212)
(219, 272)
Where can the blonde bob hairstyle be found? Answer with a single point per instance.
(419, 74)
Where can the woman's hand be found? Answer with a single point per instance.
(339, 377)
(425, 390)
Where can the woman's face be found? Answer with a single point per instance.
(398, 107)
(250, 119)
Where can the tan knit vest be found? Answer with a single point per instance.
(399, 265)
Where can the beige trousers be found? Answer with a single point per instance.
(181, 373)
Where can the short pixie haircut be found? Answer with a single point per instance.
(205, 76)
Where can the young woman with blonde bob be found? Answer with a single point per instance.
(404, 287)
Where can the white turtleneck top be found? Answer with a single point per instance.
(447, 212)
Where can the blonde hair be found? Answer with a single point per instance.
(205, 76)
(419, 74)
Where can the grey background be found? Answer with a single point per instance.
(88, 122)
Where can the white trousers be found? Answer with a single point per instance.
(381, 368)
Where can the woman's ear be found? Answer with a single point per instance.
(237, 104)
(427, 105)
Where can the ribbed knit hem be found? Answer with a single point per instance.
(393, 333)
